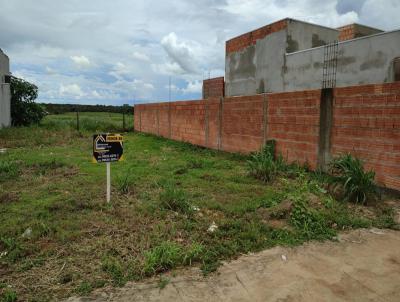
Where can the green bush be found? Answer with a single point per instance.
(263, 165)
(358, 185)
(24, 110)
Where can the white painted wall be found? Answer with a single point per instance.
(5, 95)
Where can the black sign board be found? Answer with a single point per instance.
(107, 148)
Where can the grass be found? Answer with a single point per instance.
(358, 185)
(165, 196)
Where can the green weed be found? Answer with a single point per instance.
(125, 183)
(163, 257)
(8, 170)
(175, 199)
(311, 223)
(8, 296)
(113, 267)
(163, 282)
(13, 248)
(358, 184)
(84, 288)
(263, 165)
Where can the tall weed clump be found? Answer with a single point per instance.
(175, 199)
(263, 165)
(348, 173)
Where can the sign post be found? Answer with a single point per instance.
(108, 164)
(107, 148)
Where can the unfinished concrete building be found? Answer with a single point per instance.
(317, 92)
(290, 55)
(5, 96)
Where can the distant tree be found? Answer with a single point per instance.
(24, 110)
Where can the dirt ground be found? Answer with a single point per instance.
(364, 265)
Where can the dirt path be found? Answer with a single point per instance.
(363, 266)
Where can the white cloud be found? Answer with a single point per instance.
(116, 53)
(81, 61)
(71, 90)
(193, 87)
(180, 52)
(140, 56)
(50, 70)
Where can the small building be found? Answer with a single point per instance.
(291, 55)
(5, 94)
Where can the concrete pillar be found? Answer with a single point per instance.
(206, 123)
(325, 128)
(220, 119)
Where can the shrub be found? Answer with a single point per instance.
(358, 185)
(24, 110)
(263, 165)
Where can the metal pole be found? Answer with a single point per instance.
(169, 90)
(123, 120)
(108, 182)
(77, 120)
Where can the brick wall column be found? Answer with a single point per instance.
(265, 118)
(206, 121)
(158, 120)
(169, 120)
(140, 120)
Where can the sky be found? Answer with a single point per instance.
(129, 51)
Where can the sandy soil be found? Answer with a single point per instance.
(363, 265)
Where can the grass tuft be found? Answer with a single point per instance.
(358, 185)
(175, 199)
(163, 257)
(263, 165)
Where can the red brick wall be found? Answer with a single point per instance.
(250, 38)
(366, 123)
(213, 88)
(242, 124)
(346, 32)
(188, 122)
(293, 121)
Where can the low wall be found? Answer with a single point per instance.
(363, 120)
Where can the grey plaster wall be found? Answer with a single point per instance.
(365, 60)
(269, 61)
(261, 67)
(240, 72)
(5, 96)
(303, 35)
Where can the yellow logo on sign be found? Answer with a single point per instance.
(114, 138)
